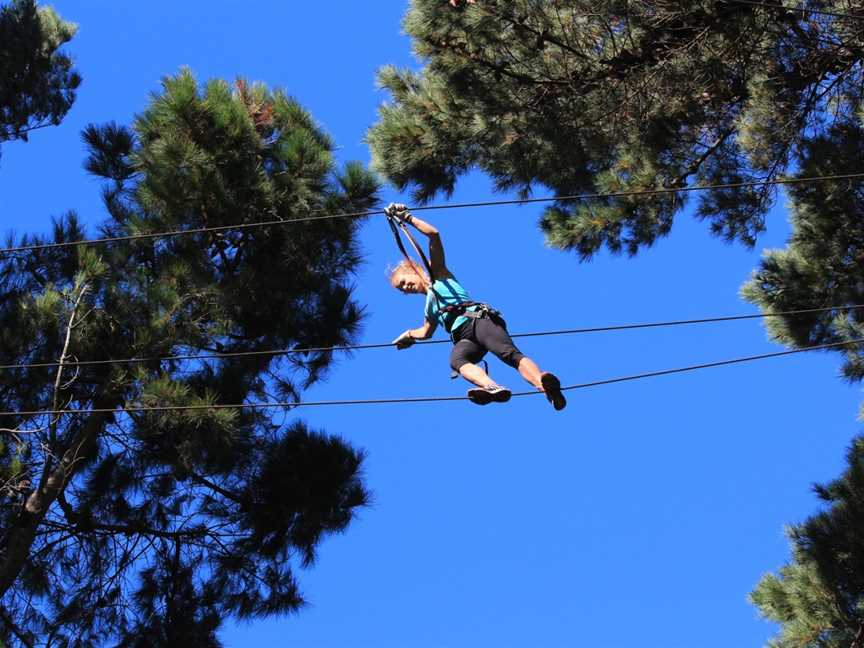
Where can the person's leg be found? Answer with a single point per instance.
(467, 353)
(463, 358)
(529, 370)
(474, 374)
(496, 339)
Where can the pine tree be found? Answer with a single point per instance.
(819, 598)
(151, 528)
(583, 96)
(37, 80)
(821, 265)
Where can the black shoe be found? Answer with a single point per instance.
(552, 388)
(490, 394)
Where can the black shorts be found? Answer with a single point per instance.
(473, 339)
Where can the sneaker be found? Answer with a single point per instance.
(552, 388)
(490, 394)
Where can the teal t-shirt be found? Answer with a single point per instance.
(449, 292)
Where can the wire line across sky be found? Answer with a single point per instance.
(487, 203)
(143, 409)
(384, 345)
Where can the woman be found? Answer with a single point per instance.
(475, 328)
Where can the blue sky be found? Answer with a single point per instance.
(642, 515)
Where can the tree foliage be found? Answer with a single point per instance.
(821, 265)
(581, 96)
(37, 80)
(819, 597)
(149, 528)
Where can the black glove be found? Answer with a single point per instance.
(399, 212)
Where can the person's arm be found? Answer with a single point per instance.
(436, 247)
(409, 337)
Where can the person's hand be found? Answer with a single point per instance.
(398, 211)
(404, 341)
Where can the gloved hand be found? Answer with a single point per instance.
(404, 341)
(398, 211)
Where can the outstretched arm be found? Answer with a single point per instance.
(423, 332)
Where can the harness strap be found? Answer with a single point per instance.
(394, 227)
(481, 311)
(455, 307)
(452, 312)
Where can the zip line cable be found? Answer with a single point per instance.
(384, 345)
(704, 365)
(421, 399)
(820, 12)
(488, 203)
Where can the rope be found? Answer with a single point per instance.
(386, 345)
(420, 399)
(488, 203)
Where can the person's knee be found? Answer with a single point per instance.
(463, 354)
(511, 356)
(457, 361)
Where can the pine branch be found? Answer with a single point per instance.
(76, 527)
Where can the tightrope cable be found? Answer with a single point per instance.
(421, 399)
(707, 365)
(386, 345)
(487, 203)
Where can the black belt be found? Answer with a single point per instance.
(481, 310)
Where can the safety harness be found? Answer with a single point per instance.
(479, 310)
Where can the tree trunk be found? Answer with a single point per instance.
(20, 537)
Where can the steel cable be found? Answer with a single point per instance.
(384, 345)
(488, 203)
(420, 399)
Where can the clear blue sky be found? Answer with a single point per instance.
(642, 515)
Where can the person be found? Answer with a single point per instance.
(474, 327)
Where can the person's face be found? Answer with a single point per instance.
(409, 282)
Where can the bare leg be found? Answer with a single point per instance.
(529, 370)
(474, 374)
(546, 382)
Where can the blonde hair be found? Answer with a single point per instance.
(407, 266)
